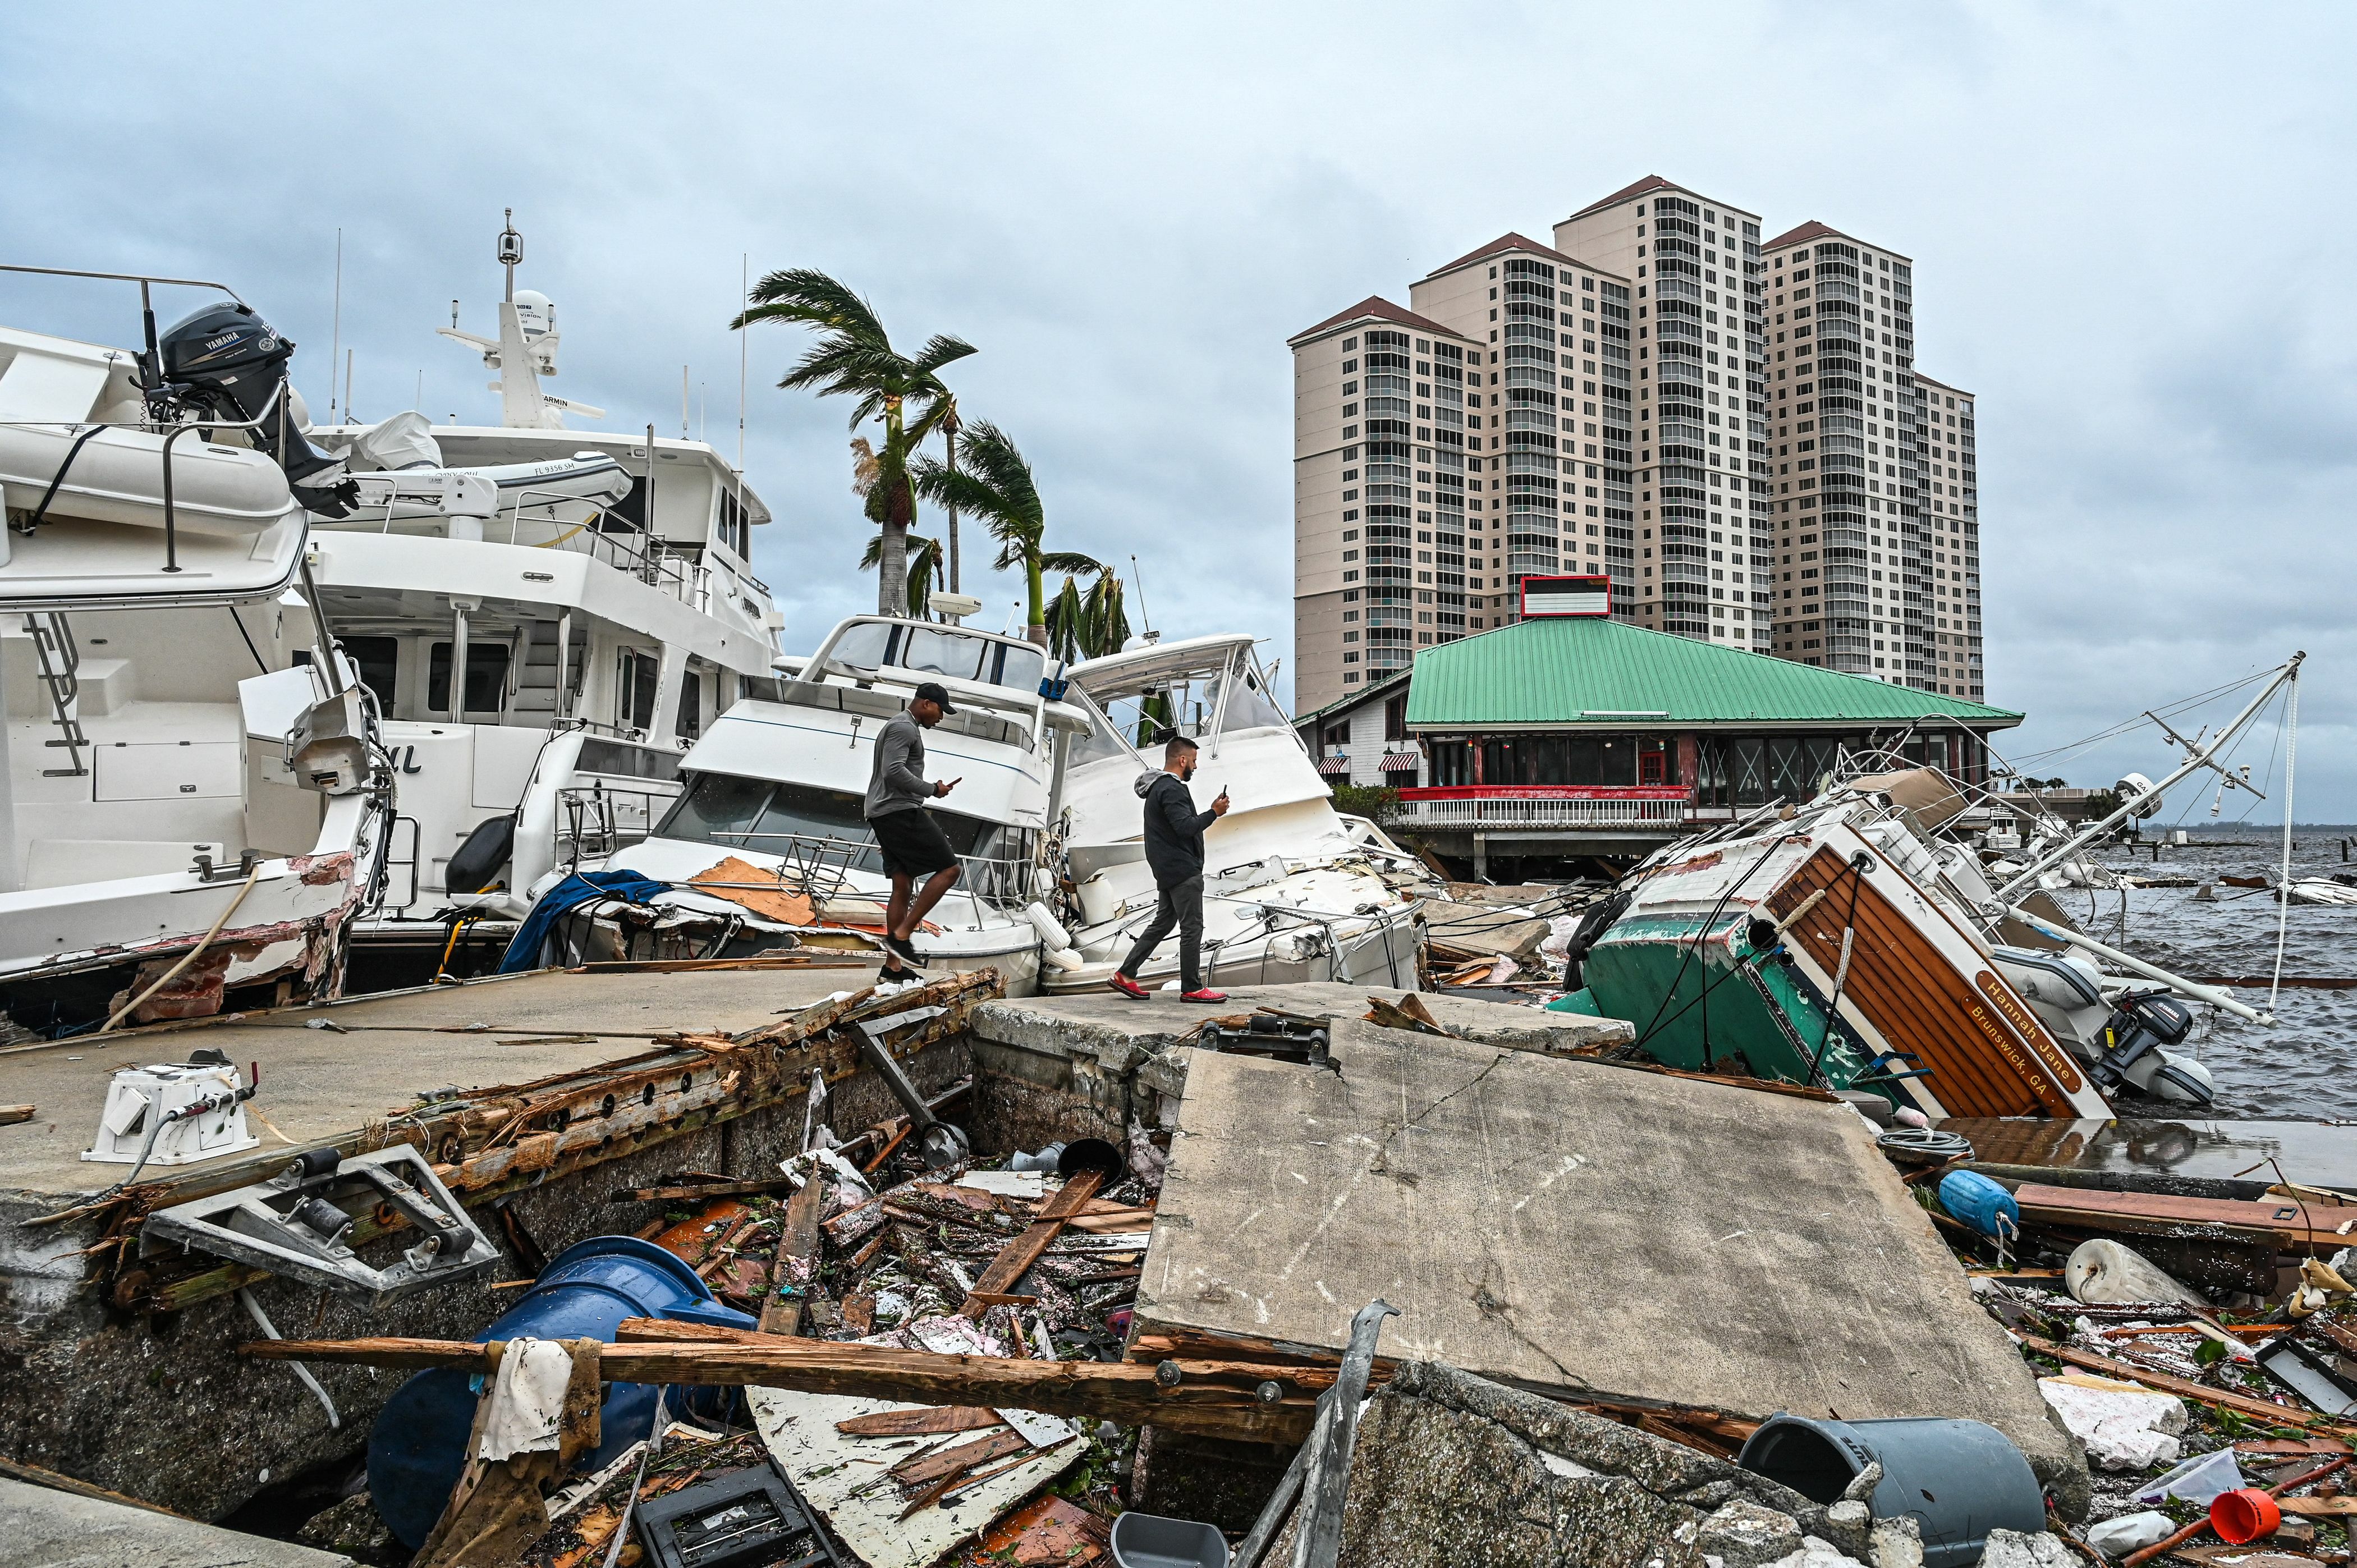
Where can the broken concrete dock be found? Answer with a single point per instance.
(1601, 1234)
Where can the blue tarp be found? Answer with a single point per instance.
(581, 887)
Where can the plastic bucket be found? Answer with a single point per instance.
(418, 1446)
(1958, 1480)
(1149, 1540)
(2242, 1516)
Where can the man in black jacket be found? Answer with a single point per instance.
(1174, 849)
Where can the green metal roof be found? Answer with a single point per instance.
(1562, 671)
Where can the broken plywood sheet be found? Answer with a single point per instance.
(743, 883)
(843, 1477)
(1570, 1225)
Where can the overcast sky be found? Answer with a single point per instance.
(2131, 226)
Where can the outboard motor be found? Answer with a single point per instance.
(227, 361)
(2144, 1022)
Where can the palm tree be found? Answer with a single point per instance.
(997, 487)
(853, 358)
(924, 570)
(1090, 625)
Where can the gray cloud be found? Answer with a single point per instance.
(2127, 222)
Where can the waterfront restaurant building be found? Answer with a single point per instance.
(1568, 734)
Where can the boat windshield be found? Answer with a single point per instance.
(794, 820)
(929, 649)
(1227, 694)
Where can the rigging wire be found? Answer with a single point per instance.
(2283, 888)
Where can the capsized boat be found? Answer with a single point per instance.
(765, 847)
(1867, 941)
(1293, 889)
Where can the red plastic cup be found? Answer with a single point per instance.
(2243, 1516)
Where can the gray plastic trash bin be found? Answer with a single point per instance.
(1149, 1540)
(1960, 1480)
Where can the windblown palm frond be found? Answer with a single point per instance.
(924, 570)
(853, 358)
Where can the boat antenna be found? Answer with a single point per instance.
(347, 384)
(336, 334)
(744, 352)
(510, 253)
(683, 434)
(1145, 620)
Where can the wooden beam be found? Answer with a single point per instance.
(1015, 1258)
(2286, 1223)
(797, 1260)
(1206, 1400)
(2242, 1404)
(13, 1113)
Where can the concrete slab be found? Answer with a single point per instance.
(1568, 1226)
(1119, 1031)
(45, 1529)
(317, 1083)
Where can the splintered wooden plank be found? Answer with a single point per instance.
(1015, 1258)
(2285, 1221)
(915, 1423)
(926, 1468)
(797, 1261)
(840, 1475)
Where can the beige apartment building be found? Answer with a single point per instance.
(1695, 263)
(1732, 432)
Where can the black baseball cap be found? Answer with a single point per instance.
(931, 691)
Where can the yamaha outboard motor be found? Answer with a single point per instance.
(227, 361)
(2144, 1022)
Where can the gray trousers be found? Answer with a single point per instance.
(1181, 905)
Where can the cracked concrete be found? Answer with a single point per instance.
(1563, 1224)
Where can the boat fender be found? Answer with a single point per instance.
(1052, 931)
(1980, 1203)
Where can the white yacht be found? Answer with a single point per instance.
(598, 591)
(766, 849)
(1293, 890)
(193, 807)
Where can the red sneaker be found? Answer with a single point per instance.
(1129, 987)
(1205, 995)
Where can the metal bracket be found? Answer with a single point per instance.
(208, 872)
(298, 1225)
(942, 1144)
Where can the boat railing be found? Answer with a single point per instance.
(689, 581)
(597, 819)
(820, 864)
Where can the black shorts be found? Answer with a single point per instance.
(912, 843)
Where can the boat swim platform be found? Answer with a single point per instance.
(1575, 1228)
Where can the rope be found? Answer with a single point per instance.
(206, 941)
(2291, 761)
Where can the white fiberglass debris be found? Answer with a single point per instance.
(2124, 1427)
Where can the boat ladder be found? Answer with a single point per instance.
(60, 660)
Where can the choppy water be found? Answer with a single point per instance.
(2304, 1067)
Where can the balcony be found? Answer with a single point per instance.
(1537, 807)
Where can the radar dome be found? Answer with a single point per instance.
(535, 312)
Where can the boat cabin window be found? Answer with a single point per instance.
(931, 649)
(691, 706)
(634, 690)
(1188, 701)
(377, 660)
(486, 677)
(796, 820)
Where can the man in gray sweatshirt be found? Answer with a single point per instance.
(911, 842)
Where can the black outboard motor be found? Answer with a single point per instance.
(2144, 1022)
(227, 361)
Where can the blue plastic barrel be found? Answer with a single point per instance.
(417, 1447)
(1978, 1202)
(1960, 1480)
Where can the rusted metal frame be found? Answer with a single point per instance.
(574, 1149)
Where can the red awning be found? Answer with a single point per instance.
(1397, 761)
(1332, 765)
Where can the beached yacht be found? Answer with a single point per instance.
(1293, 889)
(766, 848)
(1868, 940)
(194, 805)
(597, 590)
